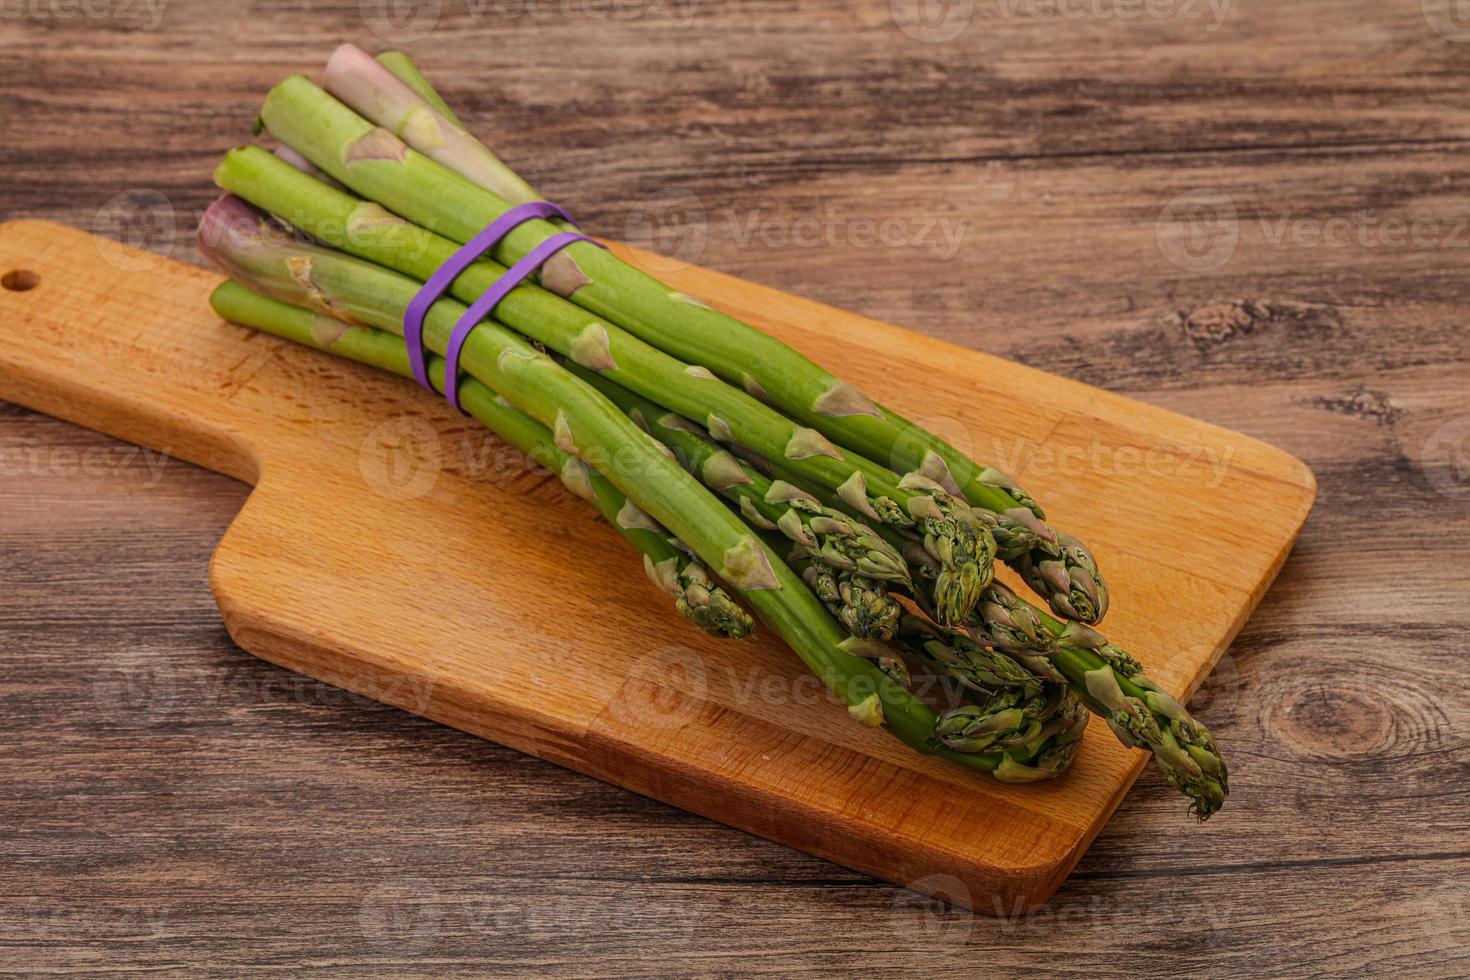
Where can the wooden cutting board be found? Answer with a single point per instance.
(396, 549)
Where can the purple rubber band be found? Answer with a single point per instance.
(438, 283)
(485, 305)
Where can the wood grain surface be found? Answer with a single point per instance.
(1259, 220)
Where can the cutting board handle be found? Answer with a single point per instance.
(80, 339)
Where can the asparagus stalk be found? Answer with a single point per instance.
(1138, 711)
(975, 665)
(378, 165)
(241, 241)
(1073, 584)
(357, 79)
(961, 544)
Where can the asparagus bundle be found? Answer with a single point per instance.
(819, 508)
(293, 284)
(961, 544)
(382, 167)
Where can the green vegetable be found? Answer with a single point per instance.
(378, 165)
(1113, 684)
(668, 563)
(959, 542)
(584, 424)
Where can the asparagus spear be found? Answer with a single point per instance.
(1113, 684)
(354, 76)
(241, 241)
(973, 664)
(862, 605)
(403, 69)
(378, 165)
(1056, 649)
(950, 531)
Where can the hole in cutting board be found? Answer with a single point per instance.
(20, 280)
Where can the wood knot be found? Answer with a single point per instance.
(1333, 722)
(1217, 323)
(1362, 403)
(1356, 712)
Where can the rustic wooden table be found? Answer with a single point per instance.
(1255, 213)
